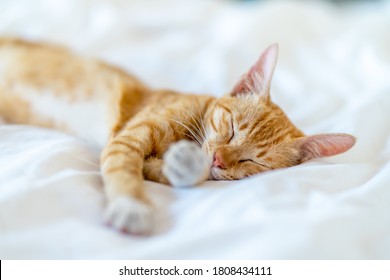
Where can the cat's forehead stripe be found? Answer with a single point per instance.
(261, 153)
(256, 123)
(243, 126)
(240, 117)
(213, 124)
(224, 107)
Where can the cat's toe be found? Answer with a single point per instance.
(176, 176)
(130, 216)
(185, 164)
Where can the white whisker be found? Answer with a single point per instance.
(195, 136)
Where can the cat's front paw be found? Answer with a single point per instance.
(130, 215)
(185, 164)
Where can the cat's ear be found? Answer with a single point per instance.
(323, 145)
(258, 79)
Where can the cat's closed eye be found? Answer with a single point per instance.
(245, 160)
(225, 131)
(253, 162)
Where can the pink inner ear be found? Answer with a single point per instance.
(258, 78)
(325, 145)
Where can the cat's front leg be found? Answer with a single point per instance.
(128, 209)
(130, 215)
(186, 164)
(122, 160)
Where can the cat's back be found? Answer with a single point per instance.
(46, 85)
(31, 61)
(46, 66)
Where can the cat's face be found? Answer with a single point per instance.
(246, 133)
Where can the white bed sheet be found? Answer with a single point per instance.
(333, 75)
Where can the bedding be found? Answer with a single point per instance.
(332, 76)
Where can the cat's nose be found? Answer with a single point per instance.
(217, 162)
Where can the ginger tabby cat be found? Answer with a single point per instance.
(159, 135)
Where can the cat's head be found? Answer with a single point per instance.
(247, 133)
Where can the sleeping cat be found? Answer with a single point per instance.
(159, 135)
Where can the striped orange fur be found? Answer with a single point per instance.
(241, 134)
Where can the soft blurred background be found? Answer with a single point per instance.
(333, 75)
(205, 45)
(182, 44)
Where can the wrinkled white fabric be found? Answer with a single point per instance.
(333, 75)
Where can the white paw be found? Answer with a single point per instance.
(185, 164)
(130, 215)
